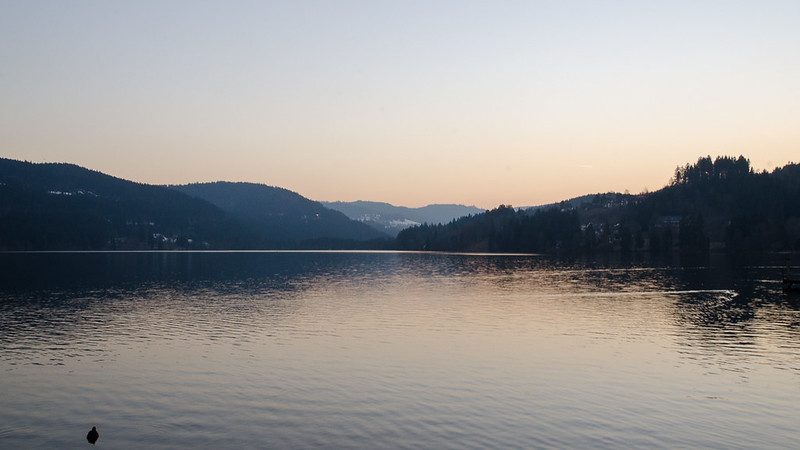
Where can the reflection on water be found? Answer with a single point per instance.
(393, 350)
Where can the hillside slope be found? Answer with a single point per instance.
(717, 204)
(277, 213)
(56, 206)
(52, 206)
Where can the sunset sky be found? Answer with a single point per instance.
(407, 102)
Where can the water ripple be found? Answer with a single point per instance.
(398, 351)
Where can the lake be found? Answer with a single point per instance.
(370, 350)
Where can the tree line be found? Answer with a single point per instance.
(712, 204)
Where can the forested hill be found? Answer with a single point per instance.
(712, 204)
(276, 212)
(66, 207)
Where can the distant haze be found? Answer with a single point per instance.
(410, 103)
(392, 219)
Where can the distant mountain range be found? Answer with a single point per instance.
(278, 214)
(66, 207)
(392, 219)
(714, 204)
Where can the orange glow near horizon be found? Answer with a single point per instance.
(475, 104)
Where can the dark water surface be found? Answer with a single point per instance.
(394, 350)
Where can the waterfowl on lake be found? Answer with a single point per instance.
(93, 435)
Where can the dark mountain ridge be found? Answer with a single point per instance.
(55, 206)
(717, 204)
(58, 206)
(276, 212)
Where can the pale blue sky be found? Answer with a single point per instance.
(406, 102)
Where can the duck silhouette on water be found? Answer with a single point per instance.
(93, 435)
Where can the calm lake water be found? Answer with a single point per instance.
(394, 350)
